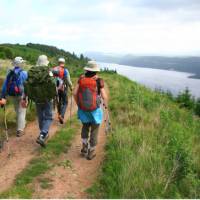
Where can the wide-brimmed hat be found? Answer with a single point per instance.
(92, 67)
(42, 61)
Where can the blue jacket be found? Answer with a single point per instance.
(23, 77)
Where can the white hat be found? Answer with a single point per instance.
(92, 66)
(42, 61)
(61, 60)
(18, 61)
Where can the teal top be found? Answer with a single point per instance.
(94, 117)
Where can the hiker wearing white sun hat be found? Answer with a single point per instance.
(88, 95)
(13, 88)
(42, 61)
(40, 87)
(92, 66)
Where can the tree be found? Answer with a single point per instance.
(2, 55)
(197, 107)
(185, 99)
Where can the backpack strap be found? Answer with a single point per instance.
(12, 72)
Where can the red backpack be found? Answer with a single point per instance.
(59, 72)
(89, 94)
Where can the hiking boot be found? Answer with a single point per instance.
(19, 133)
(42, 139)
(91, 154)
(61, 119)
(84, 149)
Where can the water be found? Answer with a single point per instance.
(158, 79)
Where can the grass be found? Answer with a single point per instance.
(153, 150)
(42, 163)
(45, 183)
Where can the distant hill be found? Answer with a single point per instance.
(183, 64)
(30, 52)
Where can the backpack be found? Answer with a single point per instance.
(14, 83)
(40, 87)
(59, 75)
(59, 72)
(89, 94)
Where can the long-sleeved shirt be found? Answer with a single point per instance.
(67, 77)
(23, 77)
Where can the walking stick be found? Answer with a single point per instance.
(108, 127)
(6, 131)
(71, 105)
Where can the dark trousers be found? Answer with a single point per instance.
(90, 131)
(62, 102)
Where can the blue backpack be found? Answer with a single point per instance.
(14, 84)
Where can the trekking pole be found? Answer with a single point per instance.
(6, 131)
(71, 105)
(108, 127)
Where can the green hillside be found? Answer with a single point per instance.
(30, 52)
(154, 149)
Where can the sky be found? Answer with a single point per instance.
(142, 27)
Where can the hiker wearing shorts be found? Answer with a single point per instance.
(63, 81)
(13, 88)
(88, 94)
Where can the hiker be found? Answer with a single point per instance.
(63, 81)
(88, 94)
(13, 87)
(40, 87)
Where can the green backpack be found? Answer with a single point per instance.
(40, 87)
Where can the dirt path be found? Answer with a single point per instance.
(71, 180)
(22, 151)
(74, 175)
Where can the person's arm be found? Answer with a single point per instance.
(4, 88)
(75, 93)
(24, 76)
(104, 97)
(24, 98)
(68, 78)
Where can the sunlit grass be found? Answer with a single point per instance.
(153, 151)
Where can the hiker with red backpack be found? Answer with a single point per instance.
(88, 95)
(63, 81)
(13, 87)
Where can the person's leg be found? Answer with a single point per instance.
(59, 103)
(21, 115)
(64, 103)
(48, 117)
(94, 135)
(40, 115)
(93, 140)
(84, 136)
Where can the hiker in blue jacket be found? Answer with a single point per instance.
(13, 87)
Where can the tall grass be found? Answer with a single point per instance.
(154, 149)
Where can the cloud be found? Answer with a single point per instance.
(139, 26)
